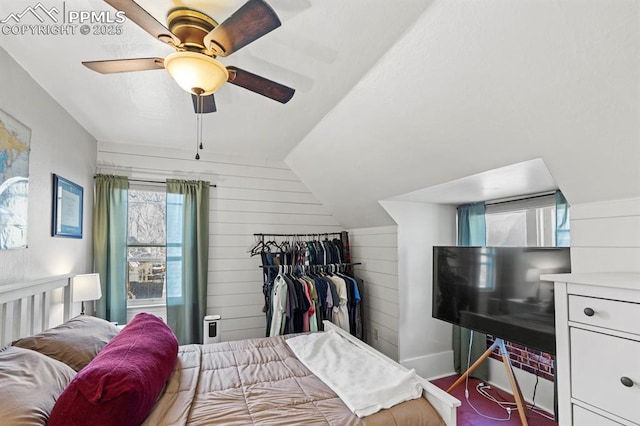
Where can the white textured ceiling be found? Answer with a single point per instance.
(322, 49)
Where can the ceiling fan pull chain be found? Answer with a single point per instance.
(201, 109)
(198, 93)
(198, 118)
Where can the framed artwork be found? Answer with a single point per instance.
(67, 208)
(15, 146)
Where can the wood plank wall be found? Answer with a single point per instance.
(605, 236)
(377, 250)
(253, 196)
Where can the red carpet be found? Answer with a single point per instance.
(468, 417)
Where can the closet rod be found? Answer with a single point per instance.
(330, 264)
(212, 185)
(298, 235)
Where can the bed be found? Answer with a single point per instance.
(141, 376)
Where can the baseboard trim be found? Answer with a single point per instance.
(432, 366)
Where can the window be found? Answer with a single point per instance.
(146, 252)
(526, 223)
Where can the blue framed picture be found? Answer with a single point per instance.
(67, 208)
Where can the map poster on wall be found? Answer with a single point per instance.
(15, 139)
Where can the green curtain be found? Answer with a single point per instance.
(110, 245)
(562, 221)
(187, 257)
(472, 231)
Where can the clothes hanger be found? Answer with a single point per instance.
(272, 244)
(258, 247)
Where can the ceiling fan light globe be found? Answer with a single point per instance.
(196, 71)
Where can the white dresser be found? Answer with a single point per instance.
(598, 348)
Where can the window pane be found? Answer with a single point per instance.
(147, 270)
(175, 207)
(147, 211)
(546, 221)
(507, 229)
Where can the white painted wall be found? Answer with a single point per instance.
(58, 145)
(252, 196)
(605, 236)
(424, 342)
(377, 251)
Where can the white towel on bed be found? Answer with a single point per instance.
(364, 382)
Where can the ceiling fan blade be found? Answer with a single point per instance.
(247, 24)
(125, 65)
(208, 104)
(260, 85)
(134, 12)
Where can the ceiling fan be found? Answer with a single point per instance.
(198, 39)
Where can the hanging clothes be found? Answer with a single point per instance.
(269, 275)
(305, 282)
(278, 311)
(313, 295)
(340, 315)
(353, 301)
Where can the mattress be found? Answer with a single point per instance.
(261, 382)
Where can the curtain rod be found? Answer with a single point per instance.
(298, 235)
(317, 266)
(212, 185)
(512, 199)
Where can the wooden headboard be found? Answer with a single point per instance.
(32, 306)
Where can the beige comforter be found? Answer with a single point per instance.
(261, 382)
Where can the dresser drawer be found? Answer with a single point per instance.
(598, 362)
(612, 314)
(582, 417)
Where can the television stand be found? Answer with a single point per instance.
(515, 387)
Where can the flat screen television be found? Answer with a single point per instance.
(498, 291)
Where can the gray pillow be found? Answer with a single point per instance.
(75, 342)
(30, 384)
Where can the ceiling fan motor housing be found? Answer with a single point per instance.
(190, 26)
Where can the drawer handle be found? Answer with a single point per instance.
(626, 381)
(589, 312)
